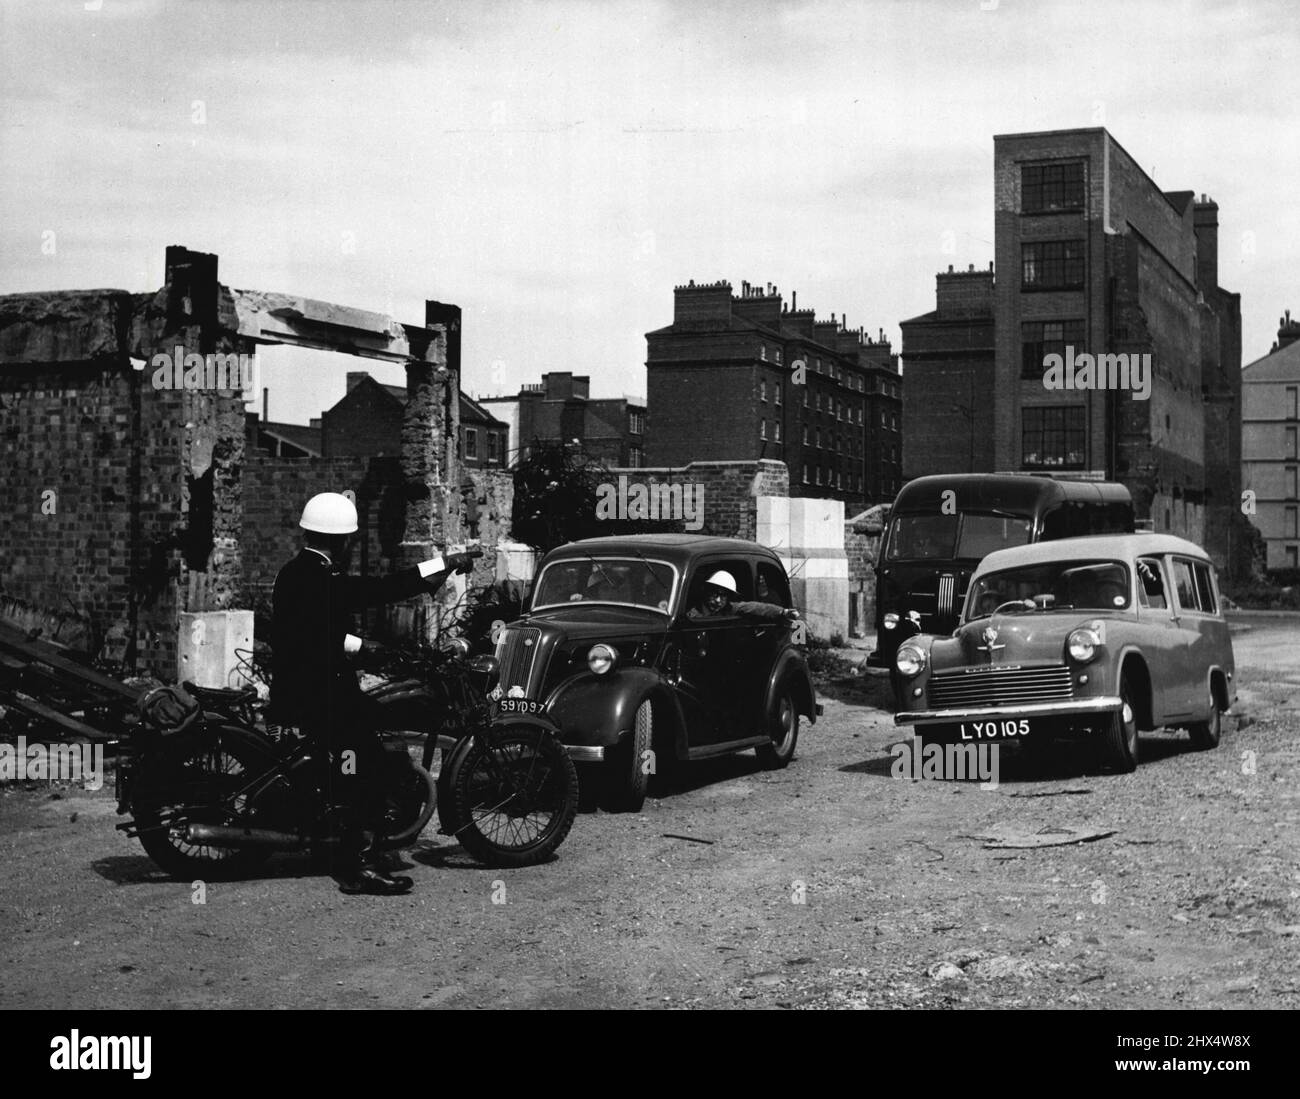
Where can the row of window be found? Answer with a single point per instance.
(830, 369)
(471, 447)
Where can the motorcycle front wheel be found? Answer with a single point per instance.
(513, 793)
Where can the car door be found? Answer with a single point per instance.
(1188, 679)
(712, 653)
(769, 638)
(1158, 638)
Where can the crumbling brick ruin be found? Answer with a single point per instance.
(124, 504)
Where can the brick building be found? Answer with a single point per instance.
(948, 357)
(1269, 457)
(724, 382)
(611, 430)
(367, 421)
(1104, 262)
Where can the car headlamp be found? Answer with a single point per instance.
(1082, 644)
(601, 658)
(891, 620)
(910, 660)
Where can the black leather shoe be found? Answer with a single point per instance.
(376, 883)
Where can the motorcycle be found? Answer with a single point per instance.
(212, 791)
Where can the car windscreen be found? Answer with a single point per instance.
(1055, 585)
(624, 581)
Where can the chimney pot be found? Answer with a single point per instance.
(950, 268)
(972, 267)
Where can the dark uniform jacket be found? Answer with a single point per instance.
(312, 607)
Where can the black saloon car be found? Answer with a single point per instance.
(616, 649)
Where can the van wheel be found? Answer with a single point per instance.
(627, 770)
(1120, 742)
(784, 731)
(1206, 734)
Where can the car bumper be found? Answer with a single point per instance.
(1075, 707)
(579, 753)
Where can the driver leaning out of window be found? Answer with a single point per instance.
(717, 597)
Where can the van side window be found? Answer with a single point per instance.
(1205, 588)
(1185, 585)
(1152, 586)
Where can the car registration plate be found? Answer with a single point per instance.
(520, 706)
(1003, 729)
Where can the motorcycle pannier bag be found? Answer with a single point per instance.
(173, 717)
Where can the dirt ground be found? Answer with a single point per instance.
(829, 884)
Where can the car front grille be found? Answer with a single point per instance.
(1000, 687)
(517, 654)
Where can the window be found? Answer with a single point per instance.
(818, 365)
(1292, 483)
(762, 429)
(1045, 187)
(776, 393)
(805, 476)
(805, 436)
(636, 423)
(1185, 584)
(634, 458)
(1151, 586)
(1292, 400)
(776, 427)
(1293, 557)
(1052, 437)
(1043, 338)
(819, 475)
(1205, 588)
(805, 397)
(1051, 265)
(762, 390)
(1289, 523)
(772, 586)
(778, 355)
(859, 414)
(1290, 444)
(471, 442)
(819, 438)
(494, 446)
(762, 351)
(819, 402)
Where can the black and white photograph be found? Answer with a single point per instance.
(561, 505)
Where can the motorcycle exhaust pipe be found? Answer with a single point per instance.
(220, 835)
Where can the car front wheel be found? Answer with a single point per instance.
(1120, 744)
(629, 766)
(784, 731)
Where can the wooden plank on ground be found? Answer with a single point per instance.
(14, 643)
(45, 713)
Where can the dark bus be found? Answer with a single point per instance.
(934, 540)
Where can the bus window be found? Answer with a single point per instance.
(982, 534)
(916, 537)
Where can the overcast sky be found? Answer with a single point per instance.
(556, 168)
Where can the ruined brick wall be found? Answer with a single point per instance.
(730, 490)
(275, 490)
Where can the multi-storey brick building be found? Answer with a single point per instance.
(744, 376)
(611, 430)
(1270, 460)
(1104, 262)
(948, 358)
(367, 421)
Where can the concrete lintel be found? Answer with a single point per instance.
(270, 317)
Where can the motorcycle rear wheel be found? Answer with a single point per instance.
(514, 795)
(207, 777)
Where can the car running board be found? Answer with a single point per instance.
(704, 751)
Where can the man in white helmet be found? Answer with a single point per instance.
(314, 687)
(716, 596)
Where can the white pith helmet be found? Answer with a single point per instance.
(723, 579)
(329, 513)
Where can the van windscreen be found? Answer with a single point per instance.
(982, 534)
(951, 537)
